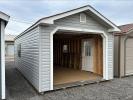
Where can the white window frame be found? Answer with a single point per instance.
(65, 48)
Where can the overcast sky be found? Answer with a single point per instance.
(25, 12)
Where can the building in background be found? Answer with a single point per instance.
(123, 53)
(9, 47)
(3, 22)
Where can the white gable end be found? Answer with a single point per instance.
(74, 21)
(51, 19)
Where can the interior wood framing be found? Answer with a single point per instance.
(73, 58)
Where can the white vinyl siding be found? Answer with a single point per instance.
(28, 62)
(72, 21)
(110, 55)
(35, 58)
(45, 57)
(82, 17)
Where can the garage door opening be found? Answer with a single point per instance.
(77, 58)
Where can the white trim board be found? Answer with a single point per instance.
(105, 50)
(2, 60)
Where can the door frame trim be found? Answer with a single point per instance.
(104, 35)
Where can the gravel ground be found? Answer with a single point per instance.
(19, 89)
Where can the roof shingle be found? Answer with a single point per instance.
(126, 28)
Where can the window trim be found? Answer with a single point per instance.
(65, 48)
(81, 17)
(19, 50)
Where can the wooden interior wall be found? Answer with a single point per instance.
(72, 57)
(98, 55)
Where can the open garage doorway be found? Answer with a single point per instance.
(77, 58)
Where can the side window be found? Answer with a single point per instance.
(87, 49)
(19, 50)
(65, 48)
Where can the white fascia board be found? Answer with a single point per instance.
(46, 21)
(51, 20)
(4, 16)
(115, 28)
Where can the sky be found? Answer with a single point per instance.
(23, 13)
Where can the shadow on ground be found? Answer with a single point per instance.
(17, 88)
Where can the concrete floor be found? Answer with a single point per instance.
(19, 89)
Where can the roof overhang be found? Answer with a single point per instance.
(124, 33)
(4, 17)
(130, 31)
(50, 20)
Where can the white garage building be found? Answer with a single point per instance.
(69, 47)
